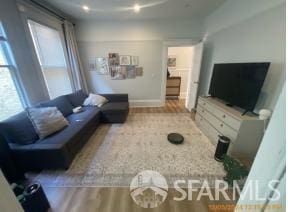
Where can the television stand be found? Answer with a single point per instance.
(215, 118)
(243, 114)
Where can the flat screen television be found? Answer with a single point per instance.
(238, 84)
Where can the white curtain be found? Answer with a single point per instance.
(74, 62)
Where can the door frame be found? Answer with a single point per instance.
(165, 46)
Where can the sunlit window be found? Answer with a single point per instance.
(10, 101)
(50, 53)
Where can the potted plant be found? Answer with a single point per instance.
(235, 170)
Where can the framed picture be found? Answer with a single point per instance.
(139, 71)
(101, 65)
(113, 70)
(114, 59)
(134, 60)
(125, 60)
(131, 72)
(171, 62)
(118, 72)
(123, 71)
(91, 64)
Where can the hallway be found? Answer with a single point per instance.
(171, 106)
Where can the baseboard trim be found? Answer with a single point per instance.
(145, 103)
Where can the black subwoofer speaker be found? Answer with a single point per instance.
(35, 199)
(222, 148)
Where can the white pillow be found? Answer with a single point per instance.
(46, 120)
(95, 100)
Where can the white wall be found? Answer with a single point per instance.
(233, 11)
(8, 201)
(270, 160)
(247, 31)
(184, 57)
(146, 87)
(143, 39)
(138, 30)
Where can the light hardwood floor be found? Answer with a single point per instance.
(92, 199)
(171, 106)
(86, 199)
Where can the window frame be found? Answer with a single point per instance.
(57, 26)
(39, 16)
(11, 65)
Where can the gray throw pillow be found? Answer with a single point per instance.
(46, 120)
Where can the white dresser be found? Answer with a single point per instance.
(214, 118)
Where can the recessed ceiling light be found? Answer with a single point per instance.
(86, 8)
(136, 8)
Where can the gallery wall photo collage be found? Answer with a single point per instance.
(118, 67)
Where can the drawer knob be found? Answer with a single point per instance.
(203, 111)
(224, 116)
(221, 125)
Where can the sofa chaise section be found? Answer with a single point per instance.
(116, 110)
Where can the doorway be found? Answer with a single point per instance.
(181, 71)
(179, 65)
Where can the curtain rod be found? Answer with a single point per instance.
(49, 10)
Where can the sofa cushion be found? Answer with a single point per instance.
(62, 137)
(77, 98)
(115, 107)
(61, 102)
(85, 115)
(18, 129)
(88, 121)
(71, 135)
(46, 120)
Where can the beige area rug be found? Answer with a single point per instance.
(117, 152)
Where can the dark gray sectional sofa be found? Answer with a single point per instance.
(58, 150)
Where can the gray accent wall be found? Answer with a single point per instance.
(139, 38)
(146, 87)
(243, 31)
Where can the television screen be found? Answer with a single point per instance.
(238, 84)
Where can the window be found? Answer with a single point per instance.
(50, 53)
(10, 101)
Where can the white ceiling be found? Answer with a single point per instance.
(123, 9)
